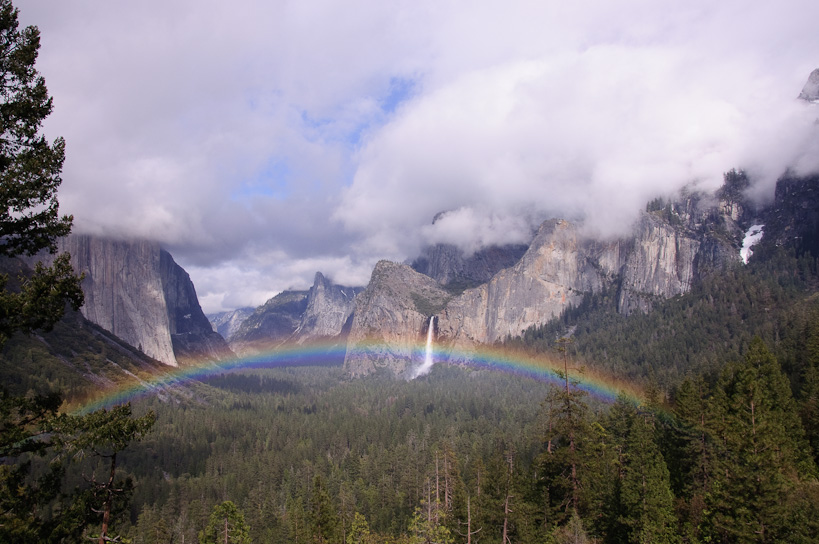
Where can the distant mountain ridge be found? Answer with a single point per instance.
(321, 312)
(227, 323)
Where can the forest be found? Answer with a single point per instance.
(722, 446)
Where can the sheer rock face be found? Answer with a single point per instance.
(446, 263)
(192, 336)
(661, 265)
(390, 320)
(329, 306)
(793, 219)
(673, 247)
(559, 268)
(136, 291)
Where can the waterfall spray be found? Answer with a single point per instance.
(426, 366)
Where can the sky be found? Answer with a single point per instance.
(261, 141)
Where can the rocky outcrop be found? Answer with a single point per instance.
(793, 219)
(329, 307)
(227, 323)
(448, 265)
(136, 291)
(320, 313)
(559, 268)
(683, 241)
(390, 320)
(810, 91)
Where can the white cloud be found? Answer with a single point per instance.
(257, 140)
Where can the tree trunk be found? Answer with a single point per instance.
(109, 497)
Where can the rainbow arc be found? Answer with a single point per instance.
(596, 382)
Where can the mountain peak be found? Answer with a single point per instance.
(810, 91)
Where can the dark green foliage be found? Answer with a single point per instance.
(23, 432)
(41, 300)
(760, 450)
(38, 446)
(692, 333)
(641, 509)
(29, 177)
(226, 525)
(29, 166)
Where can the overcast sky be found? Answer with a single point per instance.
(261, 141)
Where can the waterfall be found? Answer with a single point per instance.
(426, 366)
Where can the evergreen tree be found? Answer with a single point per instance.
(565, 442)
(692, 454)
(641, 508)
(762, 450)
(29, 178)
(323, 520)
(426, 529)
(809, 408)
(359, 530)
(225, 526)
(24, 426)
(645, 493)
(102, 434)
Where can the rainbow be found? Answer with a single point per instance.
(547, 369)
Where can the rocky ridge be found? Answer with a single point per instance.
(322, 312)
(329, 308)
(675, 243)
(810, 91)
(271, 324)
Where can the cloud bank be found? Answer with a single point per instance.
(263, 141)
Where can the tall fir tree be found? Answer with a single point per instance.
(641, 508)
(29, 178)
(761, 453)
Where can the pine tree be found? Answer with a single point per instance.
(102, 434)
(323, 521)
(359, 530)
(225, 526)
(29, 178)
(565, 443)
(642, 505)
(693, 452)
(762, 450)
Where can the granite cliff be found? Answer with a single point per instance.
(136, 291)
(810, 91)
(674, 244)
(271, 324)
(329, 308)
(227, 323)
(391, 316)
